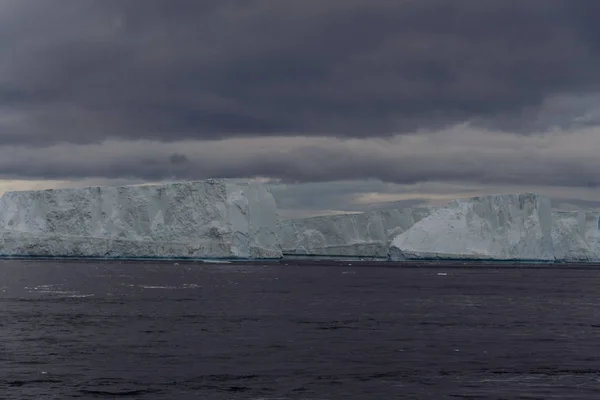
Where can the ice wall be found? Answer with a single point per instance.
(396, 221)
(207, 219)
(345, 235)
(499, 227)
(575, 236)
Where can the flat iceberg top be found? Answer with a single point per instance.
(229, 219)
(502, 227)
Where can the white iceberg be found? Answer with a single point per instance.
(576, 236)
(340, 235)
(363, 235)
(396, 221)
(498, 227)
(206, 219)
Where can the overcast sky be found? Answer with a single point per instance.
(346, 102)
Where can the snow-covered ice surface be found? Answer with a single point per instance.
(498, 227)
(576, 236)
(206, 219)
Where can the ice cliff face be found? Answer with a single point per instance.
(500, 227)
(396, 221)
(576, 236)
(208, 219)
(347, 235)
(221, 219)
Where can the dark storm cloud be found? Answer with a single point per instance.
(177, 158)
(155, 69)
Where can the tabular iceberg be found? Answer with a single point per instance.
(576, 236)
(206, 219)
(364, 235)
(396, 221)
(341, 235)
(499, 227)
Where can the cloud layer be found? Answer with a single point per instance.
(170, 70)
(458, 154)
(501, 94)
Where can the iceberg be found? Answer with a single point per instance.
(224, 220)
(507, 227)
(396, 221)
(339, 235)
(576, 236)
(363, 235)
(201, 220)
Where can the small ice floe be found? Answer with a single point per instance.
(158, 287)
(348, 272)
(170, 287)
(43, 287)
(442, 274)
(190, 286)
(56, 291)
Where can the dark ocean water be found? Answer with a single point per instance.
(192, 331)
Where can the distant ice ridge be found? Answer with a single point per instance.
(365, 235)
(205, 219)
(344, 235)
(576, 236)
(498, 227)
(396, 221)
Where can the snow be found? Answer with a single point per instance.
(497, 227)
(575, 236)
(205, 219)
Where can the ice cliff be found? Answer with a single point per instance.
(576, 236)
(396, 221)
(499, 227)
(343, 235)
(207, 219)
(364, 235)
(222, 219)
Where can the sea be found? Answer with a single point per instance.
(298, 330)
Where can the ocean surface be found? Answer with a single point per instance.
(297, 331)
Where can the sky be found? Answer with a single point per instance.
(335, 104)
